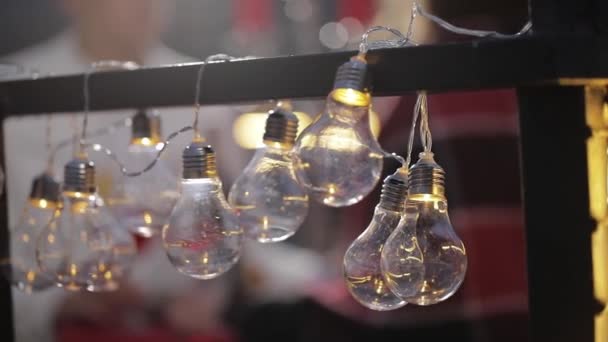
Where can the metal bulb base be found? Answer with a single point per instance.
(199, 161)
(144, 125)
(394, 192)
(79, 176)
(281, 127)
(427, 177)
(353, 75)
(44, 187)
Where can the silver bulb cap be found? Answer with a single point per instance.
(45, 187)
(426, 176)
(79, 176)
(281, 127)
(145, 125)
(353, 75)
(198, 161)
(394, 191)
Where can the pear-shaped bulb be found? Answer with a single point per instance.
(21, 268)
(202, 237)
(337, 157)
(143, 204)
(83, 247)
(424, 261)
(270, 202)
(362, 271)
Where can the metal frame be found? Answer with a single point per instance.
(549, 69)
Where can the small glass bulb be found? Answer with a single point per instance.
(202, 237)
(21, 268)
(270, 202)
(83, 247)
(424, 261)
(337, 157)
(362, 271)
(143, 204)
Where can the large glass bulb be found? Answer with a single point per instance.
(143, 203)
(270, 203)
(424, 261)
(337, 157)
(202, 237)
(21, 268)
(362, 271)
(83, 247)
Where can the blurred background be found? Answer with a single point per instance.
(291, 291)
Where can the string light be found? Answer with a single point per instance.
(203, 235)
(270, 203)
(423, 261)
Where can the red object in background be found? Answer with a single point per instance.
(360, 9)
(252, 15)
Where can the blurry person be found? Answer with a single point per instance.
(106, 30)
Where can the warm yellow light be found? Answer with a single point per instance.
(351, 97)
(145, 141)
(426, 197)
(42, 203)
(375, 123)
(248, 129)
(147, 218)
(30, 276)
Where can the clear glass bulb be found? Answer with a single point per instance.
(143, 203)
(202, 238)
(84, 247)
(22, 269)
(270, 203)
(362, 271)
(362, 264)
(337, 157)
(424, 261)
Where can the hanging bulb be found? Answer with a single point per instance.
(21, 269)
(337, 157)
(424, 261)
(362, 259)
(142, 204)
(83, 247)
(202, 237)
(270, 203)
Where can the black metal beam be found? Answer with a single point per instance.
(479, 64)
(557, 220)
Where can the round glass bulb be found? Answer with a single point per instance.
(337, 157)
(143, 204)
(362, 271)
(83, 247)
(21, 268)
(270, 203)
(202, 238)
(424, 261)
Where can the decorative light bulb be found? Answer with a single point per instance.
(143, 203)
(83, 247)
(362, 259)
(21, 269)
(270, 203)
(424, 261)
(337, 157)
(202, 237)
